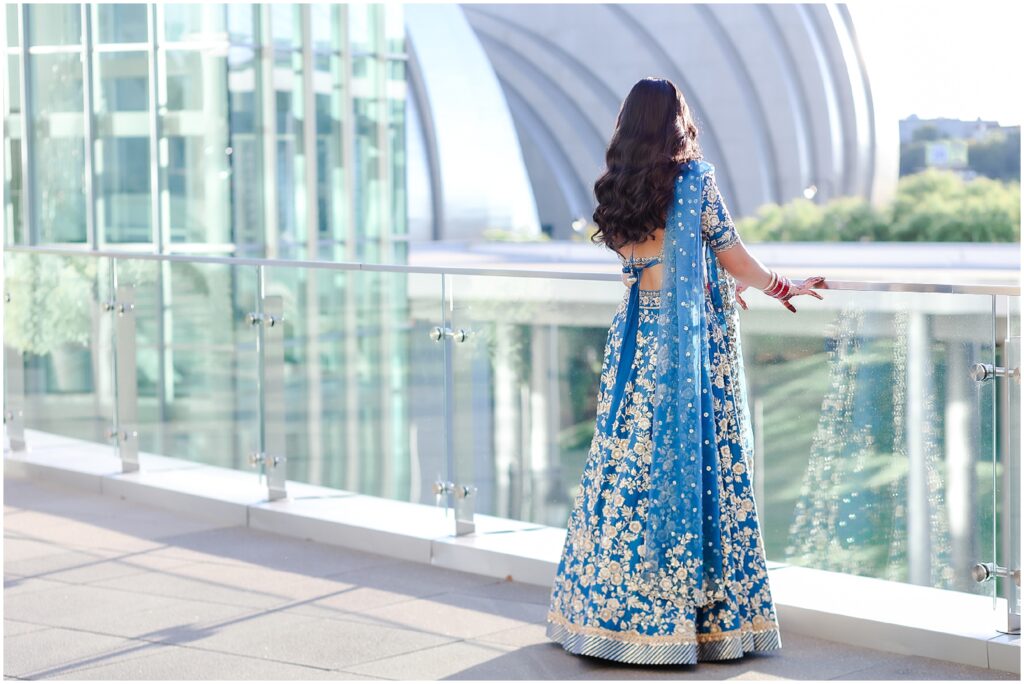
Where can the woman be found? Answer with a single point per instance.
(664, 561)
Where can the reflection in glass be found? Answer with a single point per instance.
(878, 444)
(241, 23)
(12, 24)
(325, 22)
(333, 223)
(121, 23)
(54, 24)
(195, 22)
(244, 156)
(67, 354)
(122, 158)
(197, 360)
(396, 102)
(198, 149)
(367, 104)
(290, 169)
(58, 147)
(394, 28)
(363, 20)
(284, 26)
(13, 186)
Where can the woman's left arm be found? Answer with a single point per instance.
(720, 231)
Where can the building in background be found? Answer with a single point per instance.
(271, 130)
(946, 128)
(261, 130)
(782, 95)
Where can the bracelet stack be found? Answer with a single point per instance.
(778, 287)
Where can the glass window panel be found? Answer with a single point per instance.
(122, 159)
(246, 165)
(362, 27)
(367, 151)
(56, 24)
(123, 80)
(197, 200)
(330, 170)
(13, 85)
(284, 25)
(12, 156)
(326, 25)
(58, 176)
(394, 27)
(121, 23)
(57, 82)
(194, 22)
(240, 23)
(122, 184)
(198, 147)
(185, 86)
(396, 132)
(58, 147)
(290, 182)
(14, 233)
(12, 25)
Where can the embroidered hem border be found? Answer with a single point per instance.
(659, 649)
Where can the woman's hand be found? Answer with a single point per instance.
(740, 287)
(804, 287)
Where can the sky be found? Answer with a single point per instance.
(945, 59)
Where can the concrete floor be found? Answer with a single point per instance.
(100, 588)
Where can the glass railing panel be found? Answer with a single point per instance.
(873, 449)
(875, 443)
(524, 388)
(196, 359)
(364, 381)
(57, 344)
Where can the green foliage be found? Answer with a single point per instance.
(997, 156)
(929, 206)
(925, 133)
(51, 301)
(912, 157)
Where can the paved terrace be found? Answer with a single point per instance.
(99, 588)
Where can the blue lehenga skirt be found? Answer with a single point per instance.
(597, 607)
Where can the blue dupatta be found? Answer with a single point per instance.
(681, 558)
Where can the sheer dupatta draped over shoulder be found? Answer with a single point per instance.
(682, 556)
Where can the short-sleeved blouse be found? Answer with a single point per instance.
(716, 223)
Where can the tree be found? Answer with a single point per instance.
(930, 206)
(997, 155)
(925, 133)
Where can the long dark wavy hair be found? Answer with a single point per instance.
(654, 133)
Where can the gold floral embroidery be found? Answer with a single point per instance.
(596, 590)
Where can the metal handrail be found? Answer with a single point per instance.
(850, 285)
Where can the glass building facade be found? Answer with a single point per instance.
(272, 130)
(229, 130)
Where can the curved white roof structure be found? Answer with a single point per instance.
(781, 94)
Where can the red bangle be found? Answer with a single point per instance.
(779, 287)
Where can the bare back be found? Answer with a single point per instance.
(650, 278)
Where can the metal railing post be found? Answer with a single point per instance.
(1009, 418)
(125, 430)
(14, 394)
(270, 457)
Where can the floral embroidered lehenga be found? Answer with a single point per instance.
(601, 604)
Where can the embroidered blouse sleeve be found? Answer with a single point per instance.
(715, 222)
